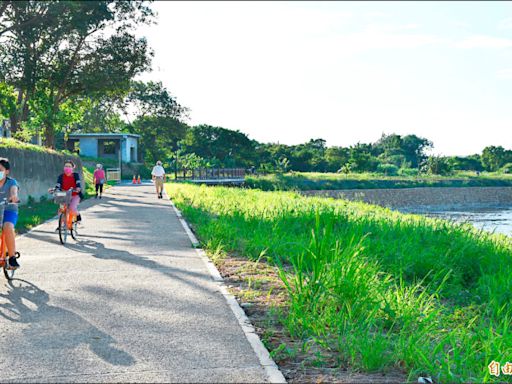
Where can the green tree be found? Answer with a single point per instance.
(493, 158)
(231, 148)
(336, 158)
(70, 50)
(160, 136)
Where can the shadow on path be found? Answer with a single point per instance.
(53, 327)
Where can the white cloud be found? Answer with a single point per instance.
(504, 73)
(505, 23)
(482, 41)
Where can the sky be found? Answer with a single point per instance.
(346, 72)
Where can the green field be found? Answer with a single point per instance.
(324, 181)
(380, 290)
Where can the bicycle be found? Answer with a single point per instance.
(67, 223)
(8, 273)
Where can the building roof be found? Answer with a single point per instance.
(120, 135)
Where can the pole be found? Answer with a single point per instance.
(176, 166)
(120, 161)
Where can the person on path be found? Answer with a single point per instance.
(99, 179)
(158, 175)
(70, 180)
(9, 192)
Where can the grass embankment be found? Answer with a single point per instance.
(379, 290)
(34, 213)
(324, 181)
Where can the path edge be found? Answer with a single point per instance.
(274, 375)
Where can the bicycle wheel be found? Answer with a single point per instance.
(9, 273)
(63, 228)
(74, 232)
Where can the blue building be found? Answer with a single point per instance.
(105, 145)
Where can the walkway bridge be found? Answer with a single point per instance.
(212, 176)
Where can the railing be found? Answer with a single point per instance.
(211, 174)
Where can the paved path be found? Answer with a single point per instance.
(131, 301)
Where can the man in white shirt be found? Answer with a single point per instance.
(158, 175)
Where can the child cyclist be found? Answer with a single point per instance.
(9, 192)
(70, 180)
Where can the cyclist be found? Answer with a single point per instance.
(9, 192)
(70, 180)
(158, 175)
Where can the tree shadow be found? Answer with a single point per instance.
(54, 327)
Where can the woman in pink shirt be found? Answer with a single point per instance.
(99, 179)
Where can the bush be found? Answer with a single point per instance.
(387, 169)
(408, 172)
(507, 168)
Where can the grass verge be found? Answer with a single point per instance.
(34, 213)
(367, 288)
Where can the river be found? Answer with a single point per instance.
(498, 220)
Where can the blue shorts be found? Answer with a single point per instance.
(10, 217)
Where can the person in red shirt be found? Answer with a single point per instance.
(99, 179)
(71, 180)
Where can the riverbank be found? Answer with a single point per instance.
(359, 288)
(297, 181)
(426, 199)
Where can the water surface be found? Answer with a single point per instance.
(498, 220)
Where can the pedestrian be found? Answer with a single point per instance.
(158, 175)
(99, 179)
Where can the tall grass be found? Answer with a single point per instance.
(380, 289)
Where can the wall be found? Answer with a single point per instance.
(426, 198)
(89, 147)
(131, 142)
(36, 171)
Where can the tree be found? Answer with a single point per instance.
(231, 148)
(436, 165)
(154, 99)
(414, 149)
(336, 158)
(61, 50)
(493, 158)
(361, 159)
(160, 136)
(7, 101)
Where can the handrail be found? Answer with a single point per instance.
(210, 173)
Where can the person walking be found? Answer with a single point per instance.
(99, 179)
(158, 175)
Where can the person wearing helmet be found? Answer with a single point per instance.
(158, 176)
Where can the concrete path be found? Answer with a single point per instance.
(131, 301)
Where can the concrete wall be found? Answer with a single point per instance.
(89, 147)
(130, 142)
(426, 198)
(36, 171)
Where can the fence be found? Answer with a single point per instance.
(113, 174)
(211, 174)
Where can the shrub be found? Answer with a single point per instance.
(388, 169)
(507, 168)
(408, 172)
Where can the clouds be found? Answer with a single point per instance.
(483, 41)
(289, 71)
(504, 73)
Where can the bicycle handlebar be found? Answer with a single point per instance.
(6, 202)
